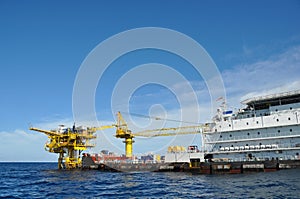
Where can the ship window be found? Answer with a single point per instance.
(297, 153)
(246, 144)
(247, 123)
(260, 114)
(276, 110)
(291, 130)
(256, 122)
(250, 156)
(259, 143)
(230, 135)
(248, 133)
(219, 146)
(229, 125)
(220, 136)
(277, 120)
(289, 118)
(248, 115)
(252, 115)
(231, 145)
(291, 108)
(278, 131)
(258, 133)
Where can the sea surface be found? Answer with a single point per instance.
(44, 180)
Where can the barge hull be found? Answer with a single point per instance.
(202, 168)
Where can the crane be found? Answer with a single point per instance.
(69, 143)
(123, 132)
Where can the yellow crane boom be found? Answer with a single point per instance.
(49, 133)
(94, 129)
(173, 131)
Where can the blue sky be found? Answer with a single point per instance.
(255, 45)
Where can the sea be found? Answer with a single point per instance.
(44, 180)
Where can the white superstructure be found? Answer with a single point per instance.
(268, 128)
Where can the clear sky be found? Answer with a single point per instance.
(255, 45)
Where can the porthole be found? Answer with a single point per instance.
(246, 144)
(220, 136)
(248, 133)
(289, 118)
(256, 122)
(278, 131)
(277, 120)
(291, 108)
(291, 130)
(229, 125)
(276, 110)
(230, 135)
(219, 146)
(247, 123)
(258, 133)
(297, 153)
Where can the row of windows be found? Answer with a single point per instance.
(258, 133)
(238, 148)
(260, 144)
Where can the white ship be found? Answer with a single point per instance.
(263, 136)
(268, 128)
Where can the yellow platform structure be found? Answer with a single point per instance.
(69, 143)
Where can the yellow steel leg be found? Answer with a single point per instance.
(60, 160)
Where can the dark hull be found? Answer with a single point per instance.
(202, 168)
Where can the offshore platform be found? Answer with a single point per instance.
(69, 143)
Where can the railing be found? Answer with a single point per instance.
(268, 147)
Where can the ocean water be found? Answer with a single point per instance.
(43, 180)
